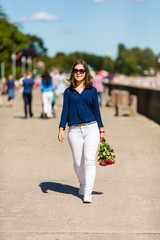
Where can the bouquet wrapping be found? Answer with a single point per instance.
(105, 154)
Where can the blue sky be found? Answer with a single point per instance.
(92, 26)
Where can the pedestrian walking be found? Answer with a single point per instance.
(61, 86)
(10, 90)
(28, 84)
(81, 112)
(47, 89)
(53, 104)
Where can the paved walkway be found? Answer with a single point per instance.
(38, 187)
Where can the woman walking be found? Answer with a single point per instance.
(47, 89)
(81, 112)
(28, 84)
(10, 90)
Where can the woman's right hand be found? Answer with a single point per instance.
(60, 135)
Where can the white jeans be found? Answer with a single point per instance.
(47, 103)
(84, 141)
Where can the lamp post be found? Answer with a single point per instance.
(2, 70)
(14, 65)
(34, 67)
(158, 60)
(29, 64)
(23, 61)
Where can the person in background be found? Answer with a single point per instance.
(10, 90)
(61, 86)
(81, 112)
(98, 84)
(53, 104)
(47, 89)
(28, 84)
(21, 83)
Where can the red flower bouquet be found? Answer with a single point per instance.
(105, 154)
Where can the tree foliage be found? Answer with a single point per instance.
(129, 61)
(135, 61)
(12, 40)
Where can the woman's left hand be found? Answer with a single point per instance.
(102, 136)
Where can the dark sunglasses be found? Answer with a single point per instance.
(81, 71)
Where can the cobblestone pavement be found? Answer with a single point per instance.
(39, 190)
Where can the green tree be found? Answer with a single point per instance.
(12, 40)
(135, 61)
(37, 44)
(108, 64)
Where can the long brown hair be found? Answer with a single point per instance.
(88, 78)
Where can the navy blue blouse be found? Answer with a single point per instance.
(28, 85)
(80, 108)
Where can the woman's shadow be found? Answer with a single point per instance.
(62, 188)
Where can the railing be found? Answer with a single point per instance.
(148, 100)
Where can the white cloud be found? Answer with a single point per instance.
(66, 31)
(40, 16)
(98, 1)
(23, 19)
